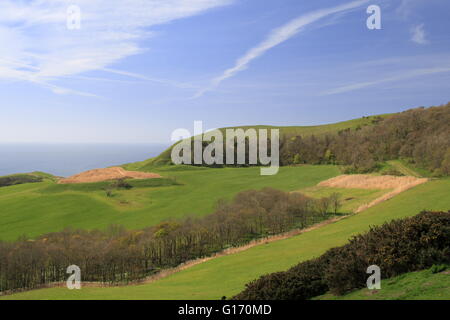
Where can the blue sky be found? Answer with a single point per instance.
(137, 70)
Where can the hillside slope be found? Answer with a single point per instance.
(226, 276)
(421, 285)
(37, 208)
(285, 131)
(419, 136)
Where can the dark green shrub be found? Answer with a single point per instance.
(437, 268)
(18, 179)
(391, 172)
(121, 184)
(397, 247)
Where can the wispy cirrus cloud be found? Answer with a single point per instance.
(409, 74)
(277, 37)
(38, 47)
(146, 78)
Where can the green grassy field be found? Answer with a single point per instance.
(227, 275)
(38, 208)
(422, 285)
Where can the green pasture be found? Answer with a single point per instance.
(37, 208)
(227, 275)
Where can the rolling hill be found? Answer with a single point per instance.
(227, 275)
(285, 131)
(432, 284)
(37, 208)
(42, 207)
(45, 206)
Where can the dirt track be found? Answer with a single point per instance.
(106, 174)
(363, 181)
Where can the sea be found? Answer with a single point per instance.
(68, 159)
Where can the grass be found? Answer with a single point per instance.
(422, 285)
(351, 198)
(227, 275)
(405, 169)
(38, 208)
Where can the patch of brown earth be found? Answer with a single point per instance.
(106, 174)
(364, 181)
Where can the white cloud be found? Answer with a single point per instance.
(397, 77)
(145, 78)
(418, 34)
(37, 46)
(405, 8)
(277, 37)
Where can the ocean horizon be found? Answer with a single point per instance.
(68, 159)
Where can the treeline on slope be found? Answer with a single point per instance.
(111, 185)
(19, 179)
(119, 256)
(421, 135)
(398, 247)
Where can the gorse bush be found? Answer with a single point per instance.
(121, 184)
(397, 247)
(115, 184)
(437, 268)
(18, 179)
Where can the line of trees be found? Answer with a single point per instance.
(421, 135)
(120, 256)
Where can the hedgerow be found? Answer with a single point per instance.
(397, 247)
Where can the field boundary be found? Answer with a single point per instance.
(256, 242)
(391, 194)
(191, 263)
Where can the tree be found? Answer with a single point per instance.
(335, 199)
(445, 166)
(329, 156)
(323, 205)
(297, 159)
